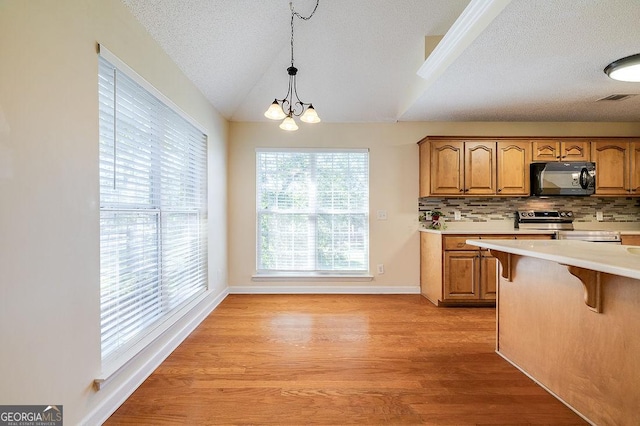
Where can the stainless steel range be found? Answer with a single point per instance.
(594, 236)
(546, 220)
(562, 223)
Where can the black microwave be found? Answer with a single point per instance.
(563, 178)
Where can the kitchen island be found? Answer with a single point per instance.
(568, 316)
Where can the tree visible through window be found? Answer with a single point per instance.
(313, 211)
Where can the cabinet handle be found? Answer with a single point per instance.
(499, 189)
(557, 156)
(461, 190)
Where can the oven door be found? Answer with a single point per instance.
(610, 237)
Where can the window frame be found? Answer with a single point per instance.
(339, 274)
(173, 307)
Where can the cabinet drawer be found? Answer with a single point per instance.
(459, 242)
(496, 237)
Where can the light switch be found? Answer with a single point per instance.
(599, 216)
(457, 215)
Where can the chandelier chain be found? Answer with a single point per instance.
(304, 18)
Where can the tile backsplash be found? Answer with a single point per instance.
(501, 209)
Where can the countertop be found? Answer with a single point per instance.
(609, 258)
(506, 227)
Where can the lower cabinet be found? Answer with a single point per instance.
(455, 273)
(461, 275)
(631, 240)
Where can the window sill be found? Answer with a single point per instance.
(311, 277)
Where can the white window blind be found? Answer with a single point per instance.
(153, 210)
(312, 211)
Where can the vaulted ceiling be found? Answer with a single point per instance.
(537, 60)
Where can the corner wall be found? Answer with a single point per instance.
(49, 196)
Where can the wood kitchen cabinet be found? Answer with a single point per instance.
(631, 240)
(513, 167)
(455, 273)
(461, 167)
(617, 166)
(560, 150)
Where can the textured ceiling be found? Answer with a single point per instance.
(538, 60)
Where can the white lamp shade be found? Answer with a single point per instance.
(310, 115)
(625, 69)
(630, 73)
(275, 112)
(289, 124)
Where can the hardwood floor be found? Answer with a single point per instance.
(340, 359)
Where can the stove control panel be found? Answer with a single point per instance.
(544, 219)
(544, 216)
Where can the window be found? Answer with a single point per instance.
(153, 209)
(312, 211)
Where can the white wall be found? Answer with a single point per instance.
(49, 229)
(393, 187)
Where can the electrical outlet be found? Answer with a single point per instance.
(382, 215)
(457, 215)
(599, 216)
(380, 268)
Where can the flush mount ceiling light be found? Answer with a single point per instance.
(288, 107)
(625, 69)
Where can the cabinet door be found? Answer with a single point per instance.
(545, 150)
(612, 167)
(461, 275)
(634, 166)
(513, 168)
(479, 168)
(488, 276)
(447, 167)
(574, 150)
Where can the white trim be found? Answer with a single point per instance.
(107, 406)
(546, 388)
(469, 25)
(324, 290)
(311, 150)
(310, 277)
(113, 365)
(123, 67)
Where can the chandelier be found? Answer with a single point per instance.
(288, 107)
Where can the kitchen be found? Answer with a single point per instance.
(573, 318)
(512, 168)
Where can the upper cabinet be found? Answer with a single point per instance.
(473, 167)
(476, 166)
(513, 167)
(444, 165)
(462, 167)
(560, 150)
(617, 166)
